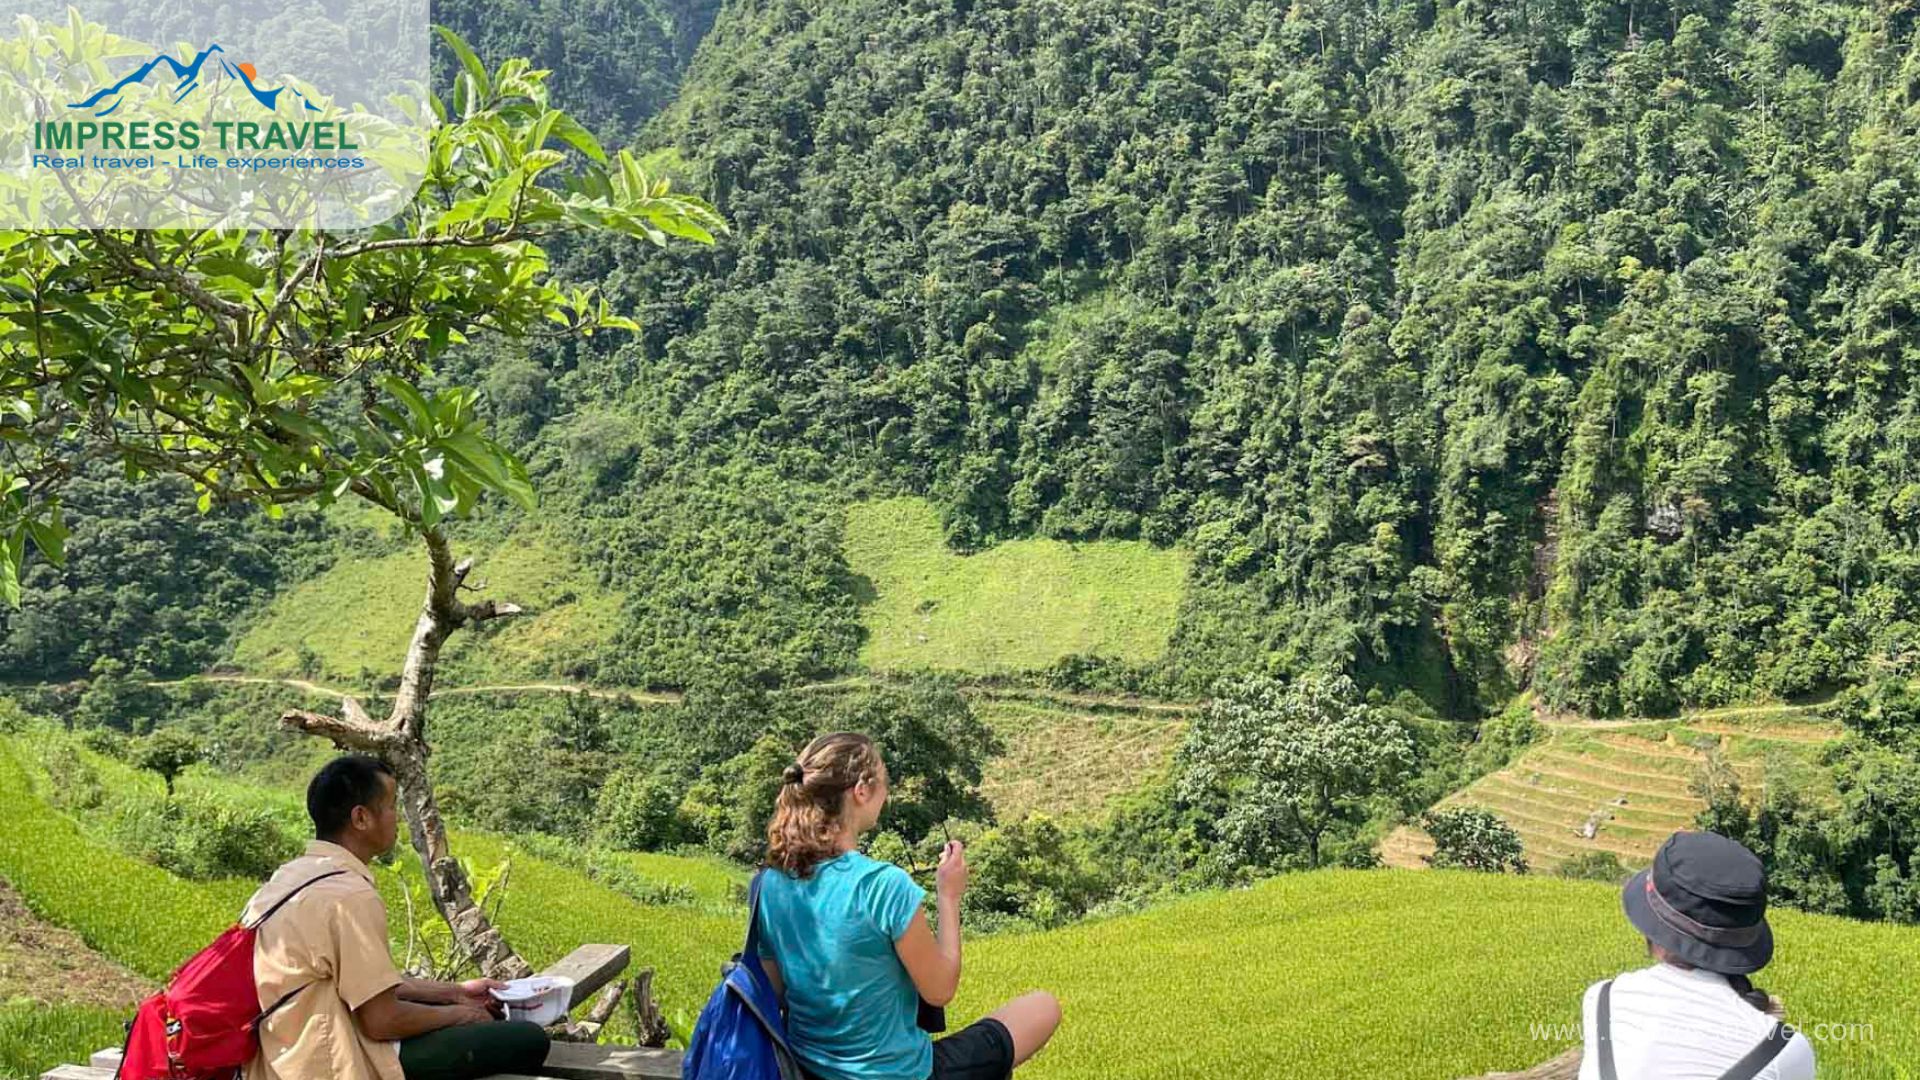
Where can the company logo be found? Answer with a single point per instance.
(187, 79)
(154, 114)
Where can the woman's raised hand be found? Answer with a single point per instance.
(950, 880)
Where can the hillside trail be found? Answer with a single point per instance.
(1805, 728)
(1173, 710)
(1722, 721)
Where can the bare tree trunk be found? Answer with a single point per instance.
(401, 741)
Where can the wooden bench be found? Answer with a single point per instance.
(591, 967)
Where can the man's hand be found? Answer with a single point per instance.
(478, 992)
(950, 880)
(472, 1014)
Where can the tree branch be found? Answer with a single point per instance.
(351, 732)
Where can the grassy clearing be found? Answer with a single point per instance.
(135, 913)
(1066, 763)
(357, 617)
(714, 880)
(1019, 606)
(1385, 973)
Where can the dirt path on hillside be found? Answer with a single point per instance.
(42, 962)
(1119, 702)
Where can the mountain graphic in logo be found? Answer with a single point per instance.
(187, 79)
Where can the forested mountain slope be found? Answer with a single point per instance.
(1471, 347)
(1466, 345)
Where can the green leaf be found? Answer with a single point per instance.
(537, 136)
(467, 59)
(305, 427)
(411, 398)
(227, 266)
(676, 225)
(263, 391)
(570, 132)
(500, 200)
(477, 456)
(50, 537)
(519, 485)
(422, 484)
(636, 183)
(10, 557)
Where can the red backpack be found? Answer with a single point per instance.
(205, 1024)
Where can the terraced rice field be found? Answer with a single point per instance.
(1623, 787)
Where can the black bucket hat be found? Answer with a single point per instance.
(1704, 900)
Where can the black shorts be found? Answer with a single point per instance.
(983, 1050)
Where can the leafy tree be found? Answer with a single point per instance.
(1717, 784)
(168, 753)
(285, 369)
(638, 811)
(1473, 838)
(935, 747)
(1031, 870)
(1297, 760)
(1886, 711)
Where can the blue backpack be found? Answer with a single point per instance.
(741, 1034)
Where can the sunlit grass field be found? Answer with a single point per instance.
(1018, 606)
(359, 616)
(1328, 974)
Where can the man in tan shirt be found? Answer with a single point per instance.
(340, 1010)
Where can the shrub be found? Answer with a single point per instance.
(1594, 866)
(638, 887)
(1473, 838)
(639, 812)
(200, 837)
(117, 697)
(1502, 737)
(1031, 871)
(73, 784)
(106, 742)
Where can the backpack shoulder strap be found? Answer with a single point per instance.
(296, 891)
(1762, 1055)
(753, 914)
(1603, 1031)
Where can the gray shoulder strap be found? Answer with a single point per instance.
(1603, 1031)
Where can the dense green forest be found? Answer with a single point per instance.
(1469, 348)
(615, 63)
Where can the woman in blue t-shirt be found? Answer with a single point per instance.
(849, 947)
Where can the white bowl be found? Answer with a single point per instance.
(542, 999)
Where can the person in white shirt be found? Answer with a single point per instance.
(1694, 1015)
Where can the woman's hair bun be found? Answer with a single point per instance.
(794, 774)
